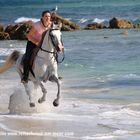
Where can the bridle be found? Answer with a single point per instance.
(54, 41)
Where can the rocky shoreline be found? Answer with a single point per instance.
(19, 31)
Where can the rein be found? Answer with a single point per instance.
(55, 55)
(62, 58)
(47, 51)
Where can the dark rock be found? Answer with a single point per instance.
(137, 25)
(66, 28)
(120, 23)
(4, 36)
(11, 29)
(22, 31)
(19, 31)
(94, 26)
(106, 37)
(1, 28)
(66, 24)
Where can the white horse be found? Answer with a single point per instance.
(45, 64)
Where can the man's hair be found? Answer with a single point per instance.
(44, 12)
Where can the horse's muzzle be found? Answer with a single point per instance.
(61, 47)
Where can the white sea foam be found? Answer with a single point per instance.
(97, 20)
(6, 128)
(2, 61)
(83, 20)
(121, 113)
(7, 51)
(112, 135)
(122, 119)
(100, 137)
(131, 75)
(24, 19)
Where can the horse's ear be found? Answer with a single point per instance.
(57, 24)
(60, 25)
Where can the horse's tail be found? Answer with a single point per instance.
(10, 61)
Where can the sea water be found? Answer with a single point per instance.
(80, 11)
(100, 92)
(100, 96)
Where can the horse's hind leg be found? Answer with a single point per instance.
(43, 98)
(32, 104)
(55, 79)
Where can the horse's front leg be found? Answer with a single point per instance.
(28, 91)
(43, 98)
(55, 79)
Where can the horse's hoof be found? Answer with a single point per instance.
(32, 104)
(56, 103)
(41, 101)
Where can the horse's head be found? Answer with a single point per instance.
(56, 36)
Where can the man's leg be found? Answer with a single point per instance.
(28, 54)
(26, 69)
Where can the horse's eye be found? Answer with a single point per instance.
(55, 22)
(51, 33)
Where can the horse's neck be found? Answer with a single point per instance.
(46, 46)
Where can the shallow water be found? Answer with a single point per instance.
(100, 90)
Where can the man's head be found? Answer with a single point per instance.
(46, 16)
